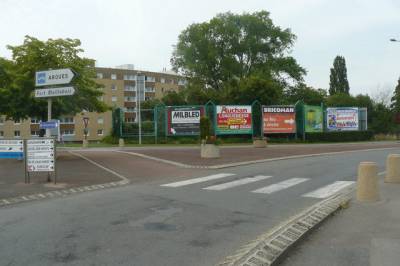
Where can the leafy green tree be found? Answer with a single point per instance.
(173, 98)
(233, 47)
(341, 100)
(18, 99)
(305, 93)
(381, 119)
(338, 77)
(395, 105)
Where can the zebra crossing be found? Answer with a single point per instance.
(319, 193)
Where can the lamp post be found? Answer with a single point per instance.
(394, 40)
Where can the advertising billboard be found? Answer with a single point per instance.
(233, 119)
(341, 119)
(279, 119)
(313, 118)
(184, 121)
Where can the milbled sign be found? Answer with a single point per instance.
(54, 77)
(54, 92)
(40, 155)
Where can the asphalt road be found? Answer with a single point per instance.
(162, 222)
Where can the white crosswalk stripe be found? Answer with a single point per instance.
(236, 183)
(197, 180)
(281, 185)
(328, 190)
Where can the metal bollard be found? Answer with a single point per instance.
(121, 143)
(393, 168)
(367, 182)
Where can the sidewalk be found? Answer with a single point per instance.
(363, 234)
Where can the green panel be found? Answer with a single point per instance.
(313, 117)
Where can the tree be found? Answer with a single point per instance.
(395, 105)
(338, 78)
(305, 93)
(18, 101)
(173, 98)
(233, 47)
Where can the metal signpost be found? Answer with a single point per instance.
(50, 78)
(11, 149)
(40, 157)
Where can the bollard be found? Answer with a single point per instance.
(367, 182)
(393, 168)
(121, 143)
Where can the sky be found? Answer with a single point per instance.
(143, 32)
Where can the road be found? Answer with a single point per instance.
(172, 220)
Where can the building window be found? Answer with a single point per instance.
(181, 82)
(129, 120)
(1, 120)
(35, 121)
(129, 77)
(100, 120)
(113, 87)
(162, 80)
(1, 134)
(150, 89)
(130, 99)
(114, 98)
(35, 133)
(67, 120)
(17, 133)
(113, 76)
(99, 132)
(130, 88)
(68, 132)
(99, 75)
(150, 79)
(100, 98)
(130, 109)
(17, 121)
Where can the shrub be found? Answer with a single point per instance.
(205, 128)
(339, 136)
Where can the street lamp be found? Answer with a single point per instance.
(394, 40)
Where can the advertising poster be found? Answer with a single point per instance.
(341, 119)
(184, 121)
(233, 119)
(313, 118)
(279, 119)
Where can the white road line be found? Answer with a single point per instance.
(239, 182)
(197, 180)
(328, 190)
(281, 185)
(382, 173)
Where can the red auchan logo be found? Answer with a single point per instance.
(226, 109)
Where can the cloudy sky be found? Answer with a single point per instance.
(142, 32)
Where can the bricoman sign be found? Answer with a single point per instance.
(279, 119)
(345, 118)
(233, 119)
(184, 121)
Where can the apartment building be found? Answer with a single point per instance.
(119, 91)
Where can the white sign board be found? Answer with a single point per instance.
(342, 118)
(54, 77)
(54, 92)
(11, 148)
(40, 155)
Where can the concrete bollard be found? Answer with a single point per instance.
(85, 143)
(121, 143)
(367, 182)
(393, 168)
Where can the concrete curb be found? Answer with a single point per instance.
(270, 247)
(59, 193)
(221, 166)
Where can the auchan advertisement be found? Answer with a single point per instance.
(279, 119)
(233, 119)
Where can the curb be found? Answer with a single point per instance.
(221, 166)
(59, 193)
(269, 248)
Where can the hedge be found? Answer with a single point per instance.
(339, 136)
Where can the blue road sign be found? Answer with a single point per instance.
(48, 125)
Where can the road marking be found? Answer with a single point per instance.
(239, 182)
(123, 178)
(197, 180)
(281, 185)
(328, 190)
(382, 173)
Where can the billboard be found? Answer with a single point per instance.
(341, 119)
(313, 118)
(184, 121)
(279, 119)
(233, 119)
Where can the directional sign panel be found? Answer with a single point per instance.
(11, 149)
(54, 77)
(40, 155)
(54, 92)
(48, 125)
